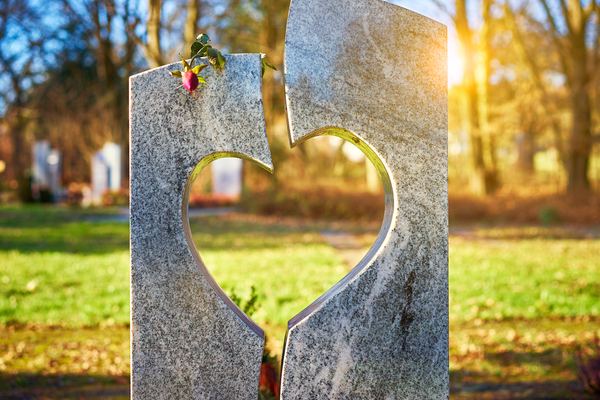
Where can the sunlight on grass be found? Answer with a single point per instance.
(287, 280)
(522, 300)
(524, 279)
(64, 289)
(76, 273)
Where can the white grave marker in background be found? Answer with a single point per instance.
(106, 170)
(227, 177)
(46, 169)
(39, 173)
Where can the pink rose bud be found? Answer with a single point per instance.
(190, 81)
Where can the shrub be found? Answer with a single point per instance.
(589, 370)
(315, 202)
(269, 378)
(210, 200)
(76, 193)
(116, 198)
(548, 216)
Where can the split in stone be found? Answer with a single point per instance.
(364, 70)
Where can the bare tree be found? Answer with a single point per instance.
(575, 33)
(526, 54)
(178, 28)
(475, 45)
(115, 54)
(152, 48)
(191, 23)
(22, 58)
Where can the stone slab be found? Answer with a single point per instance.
(375, 74)
(188, 340)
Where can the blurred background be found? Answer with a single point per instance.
(524, 182)
(523, 111)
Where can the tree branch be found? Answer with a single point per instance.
(443, 7)
(596, 39)
(555, 30)
(557, 40)
(590, 9)
(535, 72)
(153, 50)
(565, 10)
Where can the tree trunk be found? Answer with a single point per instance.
(269, 37)
(526, 151)
(580, 143)
(191, 25)
(21, 160)
(153, 51)
(477, 181)
(488, 148)
(373, 180)
(482, 179)
(574, 55)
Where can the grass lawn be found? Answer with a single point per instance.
(522, 300)
(61, 268)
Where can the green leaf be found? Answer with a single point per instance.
(202, 38)
(176, 74)
(203, 50)
(236, 299)
(262, 70)
(201, 80)
(213, 56)
(221, 60)
(199, 68)
(274, 68)
(186, 66)
(196, 47)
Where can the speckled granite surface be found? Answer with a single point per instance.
(188, 340)
(375, 74)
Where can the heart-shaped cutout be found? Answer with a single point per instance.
(289, 264)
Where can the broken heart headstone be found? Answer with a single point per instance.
(364, 70)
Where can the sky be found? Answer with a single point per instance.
(423, 7)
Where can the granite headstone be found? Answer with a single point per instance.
(112, 157)
(54, 171)
(39, 171)
(189, 340)
(46, 171)
(375, 74)
(106, 170)
(227, 177)
(99, 176)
